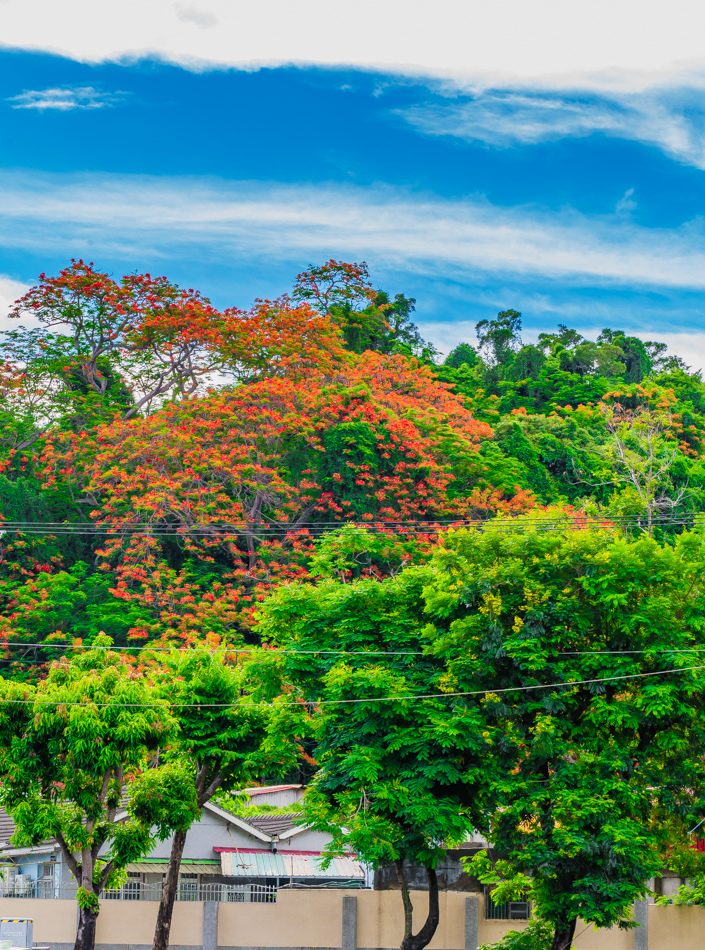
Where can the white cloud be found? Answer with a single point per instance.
(512, 56)
(626, 203)
(130, 217)
(673, 120)
(632, 42)
(10, 290)
(63, 99)
(123, 214)
(689, 346)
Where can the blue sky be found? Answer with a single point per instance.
(574, 200)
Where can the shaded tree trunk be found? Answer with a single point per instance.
(420, 940)
(166, 904)
(85, 933)
(204, 793)
(563, 936)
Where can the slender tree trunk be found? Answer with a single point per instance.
(420, 940)
(166, 904)
(85, 934)
(563, 936)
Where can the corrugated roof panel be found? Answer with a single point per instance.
(284, 864)
(347, 868)
(187, 867)
(251, 864)
(298, 865)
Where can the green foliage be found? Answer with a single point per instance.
(221, 728)
(531, 608)
(73, 755)
(498, 339)
(369, 320)
(553, 408)
(691, 893)
(462, 355)
(537, 935)
(353, 552)
(395, 780)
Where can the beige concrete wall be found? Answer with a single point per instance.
(587, 938)
(313, 917)
(380, 919)
(489, 931)
(54, 921)
(676, 928)
(126, 922)
(130, 922)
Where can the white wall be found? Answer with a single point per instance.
(210, 831)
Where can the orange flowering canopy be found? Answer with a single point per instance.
(210, 449)
(105, 348)
(243, 480)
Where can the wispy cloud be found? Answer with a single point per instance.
(130, 216)
(64, 98)
(672, 120)
(10, 290)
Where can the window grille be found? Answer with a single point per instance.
(132, 888)
(188, 887)
(510, 910)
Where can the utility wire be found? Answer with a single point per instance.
(243, 523)
(219, 531)
(276, 651)
(371, 699)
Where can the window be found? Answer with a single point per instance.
(512, 910)
(132, 889)
(188, 887)
(47, 871)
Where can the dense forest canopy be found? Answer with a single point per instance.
(164, 464)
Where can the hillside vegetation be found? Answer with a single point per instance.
(165, 464)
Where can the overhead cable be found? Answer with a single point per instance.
(267, 649)
(372, 699)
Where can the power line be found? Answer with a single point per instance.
(228, 648)
(276, 651)
(371, 699)
(220, 531)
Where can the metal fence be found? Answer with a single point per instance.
(138, 891)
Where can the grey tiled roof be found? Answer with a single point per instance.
(274, 824)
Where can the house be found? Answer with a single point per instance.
(226, 857)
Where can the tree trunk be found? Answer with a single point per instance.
(85, 933)
(563, 936)
(420, 940)
(166, 904)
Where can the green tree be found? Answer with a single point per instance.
(500, 338)
(643, 451)
(368, 318)
(73, 751)
(221, 734)
(398, 779)
(567, 632)
(637, 359)
(462, 355)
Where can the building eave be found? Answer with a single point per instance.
(237, 822)
(292, 832)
